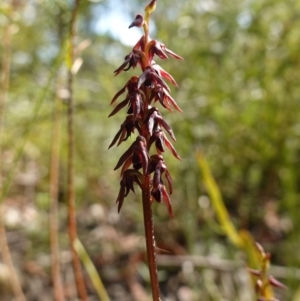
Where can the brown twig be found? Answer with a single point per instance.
(15, 283)
(81, 290)
(5, 74)
(222, 265)
(54, 174)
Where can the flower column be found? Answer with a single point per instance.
(149, 172)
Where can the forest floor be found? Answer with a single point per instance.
(119, 256)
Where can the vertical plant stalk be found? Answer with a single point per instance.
(53, 220)
(5, 74)
(15, 283)
(5, 185)
(80, 285)
(38, 104)
(142, 94)
(150, 239)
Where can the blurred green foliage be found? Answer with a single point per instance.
(239, 90)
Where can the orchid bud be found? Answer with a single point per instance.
(138, 21)
(150, 7)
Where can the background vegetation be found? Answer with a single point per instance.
(239, 90)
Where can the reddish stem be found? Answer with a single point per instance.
(150, 240)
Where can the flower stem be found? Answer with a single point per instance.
(150, 239)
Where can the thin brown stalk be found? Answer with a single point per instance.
(53, 220)
(81, 289)
(5, 74)
(15, 283)
(150, 239)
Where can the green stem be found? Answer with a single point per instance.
(91, 270)
(150, 240)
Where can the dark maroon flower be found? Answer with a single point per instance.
(121, 105)
(135, 102)
(158, 166)
(131, 60)
(154, 120)
(160, 140)
(151, 78)
(154, 47)
(137, 154)
(162, 73)
(131, 86)
(129, 177)
(127, 127)
(162, 95)
(159, 194)
(170, 52)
